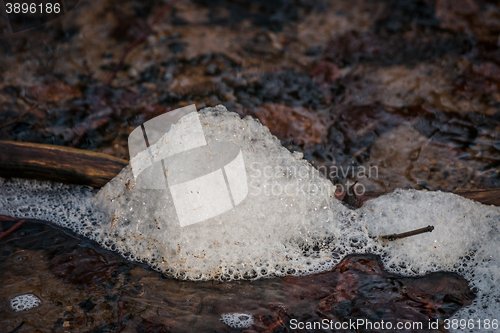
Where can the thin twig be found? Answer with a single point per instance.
(139, 40)
(392, 237)
(11, 229)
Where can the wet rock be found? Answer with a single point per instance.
(353, 47)
(359, 287)
(271, 15)
(277, 321)
(291, 88)
(294, 124)
(354, 129)
(436, 165)
(85, 266)
(87, 305)
(478, 82)
(324, 74)
(150, 73)
(129, 27)
(57, 91)
(152, 326)
(176, 47)
(472, 17)
(402, 16)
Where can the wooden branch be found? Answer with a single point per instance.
(57, 163)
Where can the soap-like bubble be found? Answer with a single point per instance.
(290, 222)
(237, 320)
(24, 302)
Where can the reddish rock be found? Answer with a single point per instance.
(54, 92)
(85, 266)
(295, 124)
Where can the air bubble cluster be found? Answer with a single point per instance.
(289, 224)
(237, 320)
(24, 302)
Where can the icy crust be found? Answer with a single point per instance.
(272, 232)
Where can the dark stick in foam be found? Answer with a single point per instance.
(392, 237)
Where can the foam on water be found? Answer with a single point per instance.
(244, 242)
(289, 223)
(466, 240)
(237, 320)
(24, 302)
